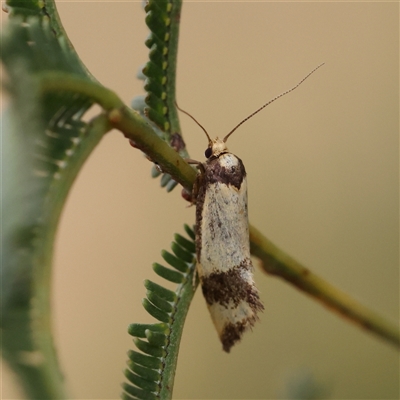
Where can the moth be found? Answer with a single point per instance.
(224, 265)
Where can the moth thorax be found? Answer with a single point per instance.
(217, 147)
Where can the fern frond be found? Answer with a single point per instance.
(45, 10)
(159, 75)
(24, 9)
(151, 375)
(45, 142)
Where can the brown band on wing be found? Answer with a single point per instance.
(234, 175)
(232, 333)
(230, 288)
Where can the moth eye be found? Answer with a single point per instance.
(208, 152)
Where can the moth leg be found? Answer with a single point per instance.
(198, 183)
(191, 197)
(195, 278)
(191, 161)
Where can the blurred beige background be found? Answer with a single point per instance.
(322, 166)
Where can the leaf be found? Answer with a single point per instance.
(45, 142)
(159, 74)
(154, 373)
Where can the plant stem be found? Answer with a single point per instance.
(135, 128)
(65, 81)
(128, 121)
(276, 262)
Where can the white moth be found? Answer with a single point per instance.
(222, 245)
(222, 238)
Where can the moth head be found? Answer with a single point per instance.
(215, 148)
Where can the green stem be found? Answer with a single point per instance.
(135, 128)
(276, 262)
(128, 121)
(64, 81)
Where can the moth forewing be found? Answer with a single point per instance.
(223, 248)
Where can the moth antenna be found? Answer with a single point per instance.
(269, 102)
(195, 120)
